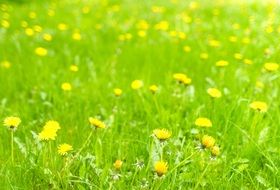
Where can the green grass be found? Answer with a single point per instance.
(31, 90)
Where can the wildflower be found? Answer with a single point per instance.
(259, 106)
(215, 151)
(32, 15)
(12, 122)
(162, 25)
(238, 56)
(118, 164)
(63, 149)
(214, 92)
(207, 141)
(222, 63)
(37, 28)
(5, 64)
(153, 88)
(139, 164)
(246, 40)
(248, 61)
(40, 51)
(270, 67)
(233, 39)
(117, 91)
(66, 86)
(49, 131)
(74, 68)
(204, 56)
(214, 43)
(47, 37)
(53, 125)
(76, 36)
(203, 122)
(62, 26)
(29, 32)
(160, 167)
(96, 123)
(187, 49)
(162, 134)
(5, 24)
(142, 25)
(259, 84)
(142, 33)
(136, 84)
(182, 78)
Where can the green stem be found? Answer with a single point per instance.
(12, 146)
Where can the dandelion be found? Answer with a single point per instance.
(259, 84)
(40, 51)
(62, 26)
(203, 122)
(137, 84)
(142, 33)
(161, 167)
(118, 164)
(5, 24)
(76, 36)
(204, 56)
(32, 15)
(47, 37)
(208, 141)
(49, 131)
(117, 92)
(153, 88)
(12, 122)
(63, 149)
(5, 64)
(214, 92)
(182, 78)
(74, 68)
(214, 43)
(259, 106)
(233, 39)
(162, 25)
(215, 151)
(143, 25)
(248, 61)
(162, 134)
(66, 86)
(29, 32)
(222, 63)
(96, 123)
(238, 56)
(187, 49)
(270, 67)
(37, 28)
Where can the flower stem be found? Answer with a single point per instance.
(12, 146)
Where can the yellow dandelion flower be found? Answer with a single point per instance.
(214, 92)
(74, 68)
(143, 25)
(215, 151)
(214, 43)
(62, 26)
(52, 125)
(51, 12)
(117, 91)
(96, 123)
(157, 9)
(142, 33)
(29, 32)
(66, 86)
(118, 164)
(259, 106)
(246, 40)
(162, 134)
(222, 63)
(204, 56)
(187, 49)
(270, 67)
(182, 78)
(137, 84)
(47, 134)
(203, 122)
(24, 24)
(259, 84)
(153, 88)
(47, 37)
(5, 24)
(40, 51)
(233, 39)
(162, 25)
(208, 141)
(37, 28)
(248, 61)
(236, 26)
(77, 36)
(238, 56)
(63, 149)
(12, 122)
(5, 64)
(161, 167)
(32, 15)
(86, 9)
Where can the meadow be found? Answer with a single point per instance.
(129, 94)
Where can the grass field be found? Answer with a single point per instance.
(130, 94)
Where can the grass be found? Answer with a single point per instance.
(111, 54)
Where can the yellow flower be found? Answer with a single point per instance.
(214, 43)
(157, 9)
(12, 122)
(96, 123)
(204, 56)
(40, 51)
(182, 78)
(76, 36)
(5, 24)
(233, 39)
(52, 125)
(62, 26)
(208, 141)
(66, 86)
(162, 25)
(47, 37)
(238, 56)
(271, 66)
(153, 88)
(32, 15)
(215, 151)
(259, 106)
(47, 134)
(162, 134)
(5, 64)
(222, 63)
(63, 149)
(160, 167)
(117, 91)
(187, 49)
(142, 33)
(248, 61)
(203, 122)
(74, 68)
(214, 92)
(37, 28)
(29, 32)
(118, 164)
(143, 25)
(259, 84)
(137, 84)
